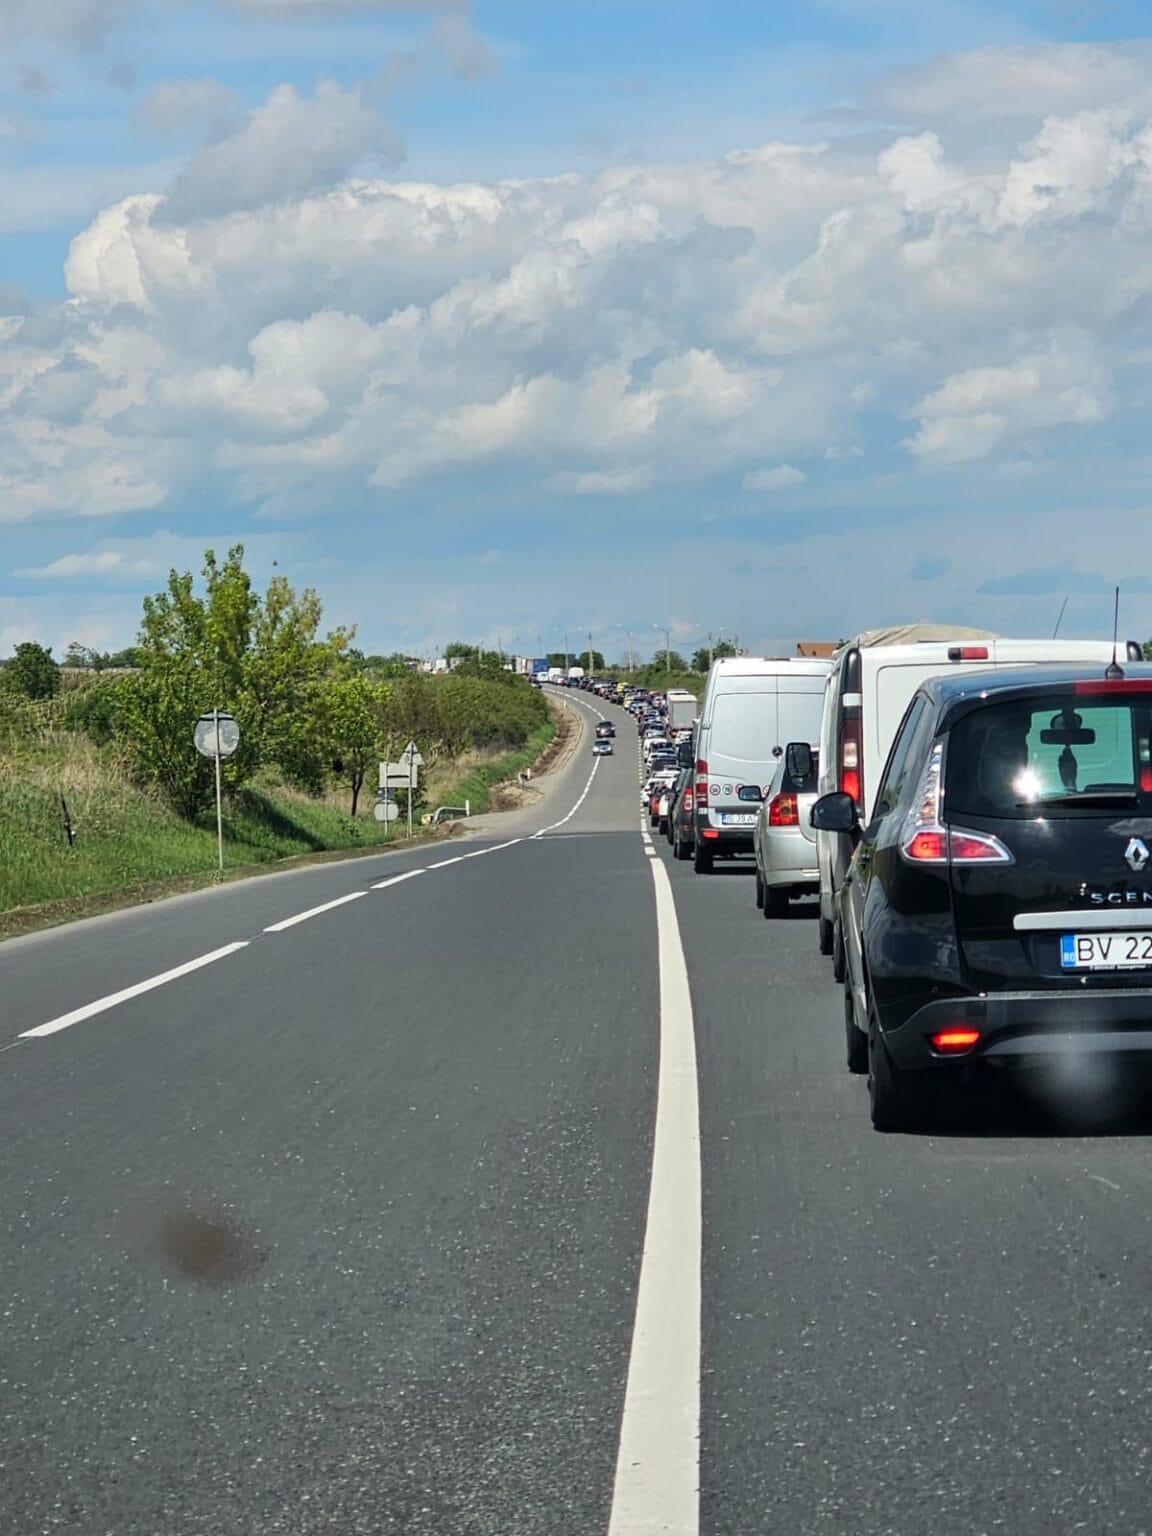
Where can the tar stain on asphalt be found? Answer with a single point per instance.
(194, 1241)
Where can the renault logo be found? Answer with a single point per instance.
(1137, 854)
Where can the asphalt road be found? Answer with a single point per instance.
(342, 1231)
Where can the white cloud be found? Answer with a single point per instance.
(974, 412)
(285, 149)
(173, 106)
(310, 335)
(783, 478)
(105, 563)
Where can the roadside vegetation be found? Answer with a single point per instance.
(101, 786)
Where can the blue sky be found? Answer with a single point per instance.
(502, 321)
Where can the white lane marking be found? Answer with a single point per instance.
(650, 851)
(1100, 1179)
(658, 1463)
(302, 917)
(584, 795)
(382, 885)
(101, 1005)
(444, 863)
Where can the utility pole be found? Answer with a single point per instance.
(668, 648)
(590, 666)
(565, 652)
(631, 664)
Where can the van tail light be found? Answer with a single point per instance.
(968, 653)
(924, 839)
(954, 1042)
(784, 811)
(849, 761)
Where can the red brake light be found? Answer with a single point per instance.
(1108, 685)
(976, 848)
(954, 1041)
(687, 799)
(849, 761)
(968, 653)
(784, 811)
(928, 848)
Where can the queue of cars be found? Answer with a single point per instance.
(974, 815)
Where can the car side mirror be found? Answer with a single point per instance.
(751, 792)
(834, 813)
(798, 761)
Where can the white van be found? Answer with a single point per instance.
(753, 706)
(871, 684)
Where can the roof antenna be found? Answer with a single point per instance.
(1060, 620)
(1114, 672)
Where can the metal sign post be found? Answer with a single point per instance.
(217, 736)
(411, 756)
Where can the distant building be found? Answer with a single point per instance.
(820, 649)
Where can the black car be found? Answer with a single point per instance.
(682, 822)
(998, 907)
(605, 728)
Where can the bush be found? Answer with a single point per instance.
(96, 712)
(32, 672)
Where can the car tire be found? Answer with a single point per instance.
(898, 1101)
(855, 1039)
(775, 903)
(681, 849)
(702, 858)
(759, 889)
(824, 936)
(839, 969)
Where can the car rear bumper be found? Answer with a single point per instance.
(1022, 1029)
(725, 839)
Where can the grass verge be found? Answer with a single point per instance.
(131, 848)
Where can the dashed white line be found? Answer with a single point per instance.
(658, 1463)
(302, 917)
(101, 1005)
(382, 885)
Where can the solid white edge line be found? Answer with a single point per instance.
(89, 1010)
(382, 885)
(657, 1486)
(302, 917)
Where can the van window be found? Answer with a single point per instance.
(1021, 759)
(744, 726)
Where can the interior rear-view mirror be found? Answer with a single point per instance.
(834, 813)
(798, 760)
(1067, 730)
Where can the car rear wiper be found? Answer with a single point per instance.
(1100, 797)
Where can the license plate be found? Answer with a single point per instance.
(738, 818)
(1117, 951)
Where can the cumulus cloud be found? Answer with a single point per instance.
(287, 148)
(305, 330)
(175, 106)
(784, 477)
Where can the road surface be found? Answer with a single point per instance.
(328, 1199)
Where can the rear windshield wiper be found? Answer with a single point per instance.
(1101, 797)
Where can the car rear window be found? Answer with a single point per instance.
(1060, 753)
(744, 726)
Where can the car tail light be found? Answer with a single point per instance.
(968, 653)
(784, 811)
(849, 753)
(925, 840)
(687, 799)
(954, 1042)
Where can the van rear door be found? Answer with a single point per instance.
(742, 732)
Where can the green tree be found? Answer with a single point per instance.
(670, 661)
(353, 710)
(226, 648)
(32, 673)
(701, 659)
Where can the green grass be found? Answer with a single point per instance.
(124, 838)
(127, 837)
(474, 783)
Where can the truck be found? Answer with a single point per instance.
(575, 674)
(682, 709)
(555, 674)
